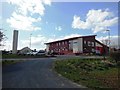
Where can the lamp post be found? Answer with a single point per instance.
(30, 40)
(108, 39)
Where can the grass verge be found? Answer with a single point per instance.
(4, 56)
(7, 62)
(93, 73)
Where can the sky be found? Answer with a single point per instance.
(44, 21)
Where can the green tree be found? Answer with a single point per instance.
(115, 56)
(1, 36)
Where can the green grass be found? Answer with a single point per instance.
(22, 56)
(92, 73)
(7, 62)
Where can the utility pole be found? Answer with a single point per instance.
(108, 39)
(30, 40)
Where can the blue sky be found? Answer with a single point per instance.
(49, 21)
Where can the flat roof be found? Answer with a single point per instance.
(70, 39)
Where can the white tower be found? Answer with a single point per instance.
(15, 41)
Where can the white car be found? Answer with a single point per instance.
(41, 53)
(34, 53)
(29, 53)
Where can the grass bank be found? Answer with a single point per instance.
(7, 62)
(93, 73)
(4, 56)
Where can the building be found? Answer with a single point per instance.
(101, 48)
(25, 50)
(15, 42)
(75, 45)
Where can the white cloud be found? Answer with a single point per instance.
(46, 22)
(48, 2)
(59, 28)
(96, 20)
(37, 42)
(7, 45)
(25, 6)
(0, 17)
(78, 23)
(21, 22)
(113, 40)
(71, 36)
(62, 37)
(1, 21)
(22, 18)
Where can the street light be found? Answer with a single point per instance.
(30, 40)
(108, 39)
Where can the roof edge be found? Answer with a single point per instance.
(70, 39)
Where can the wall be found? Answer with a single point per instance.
(80, 45)
(75, 46)
(90, 44)
(15, 42)
(98, 45)
(47, 47)
(59, 47)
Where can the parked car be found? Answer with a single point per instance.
(41, 52)
(5, 52)
(29, 53)
(34, 53)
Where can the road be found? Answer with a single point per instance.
(36, 73)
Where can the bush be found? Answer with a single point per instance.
(115, 56)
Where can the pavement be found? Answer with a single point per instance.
(35, 73)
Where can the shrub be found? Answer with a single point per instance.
(115, 56)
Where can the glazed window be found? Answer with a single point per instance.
(63, 42)
(85, 42)
(93, 44)
(59, 43)
(89, 43)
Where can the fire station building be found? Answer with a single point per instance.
(77, 45)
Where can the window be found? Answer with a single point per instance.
(59, 43)
(89, 43)
(66, 49)
(63, 43)
(93, 50)
(59, 50)
(93, 44)
(85, 42)
(75, 42)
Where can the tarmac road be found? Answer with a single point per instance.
(34, 74)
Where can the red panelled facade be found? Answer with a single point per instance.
(61, 47)
(88, 45)
(103, 49)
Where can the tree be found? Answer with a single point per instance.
(115, 56)
(1, 36)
